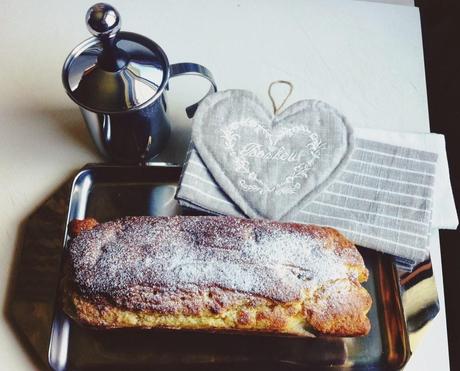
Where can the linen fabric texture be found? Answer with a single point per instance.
(305, 165)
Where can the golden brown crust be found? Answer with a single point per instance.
(303, 319)
(266, 317)
(77, 226)
(333, 307)
(339, 308)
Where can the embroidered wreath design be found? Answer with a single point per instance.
(251, 181)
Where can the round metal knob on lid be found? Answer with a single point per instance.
(103, 19)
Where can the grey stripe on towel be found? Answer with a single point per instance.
(381, 200)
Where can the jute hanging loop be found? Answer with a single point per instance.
(291, 88)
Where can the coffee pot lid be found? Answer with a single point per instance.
(114, 71)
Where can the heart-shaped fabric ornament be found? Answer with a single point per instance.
(270, 164)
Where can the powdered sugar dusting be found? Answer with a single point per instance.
(266, 259)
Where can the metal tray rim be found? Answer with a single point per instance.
(57, 364)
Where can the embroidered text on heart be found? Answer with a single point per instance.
(256, 150)
(250, 181)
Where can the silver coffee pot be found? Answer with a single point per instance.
(119, 81)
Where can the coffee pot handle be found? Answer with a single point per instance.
(178, 69)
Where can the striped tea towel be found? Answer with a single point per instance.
(382, 199)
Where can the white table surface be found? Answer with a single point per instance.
(364, 58)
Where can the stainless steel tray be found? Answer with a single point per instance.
(106, 192)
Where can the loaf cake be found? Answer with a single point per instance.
(215, 273)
